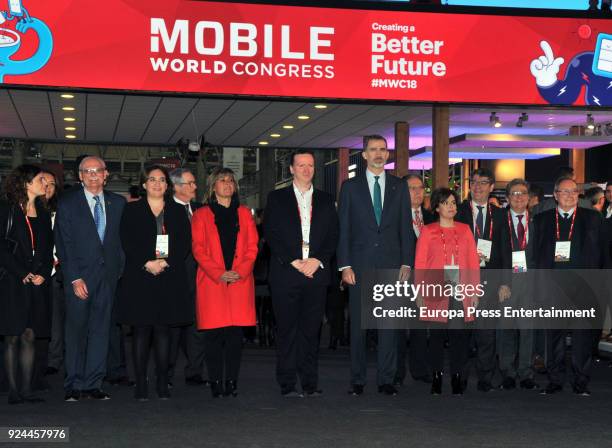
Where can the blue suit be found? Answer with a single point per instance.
(83, 256)
(364, 245)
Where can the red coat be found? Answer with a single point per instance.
(430, 260)
(219, 304)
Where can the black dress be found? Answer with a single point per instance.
(25, 306)
(145, 299)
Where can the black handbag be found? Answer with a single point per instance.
(11, 244)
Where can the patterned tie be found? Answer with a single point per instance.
(99, 218)
(418, 220)
(377, 200)
(520, 231)
(188, 210)
(480, 221)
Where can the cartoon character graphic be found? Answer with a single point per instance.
(590, 69)
(10, 41)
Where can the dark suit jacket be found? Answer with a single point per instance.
(283, 233)
(363, 244)
(506, 244)
(78, 245)
(146, 299)
(585, 252)
(465, 215)
(607, 243)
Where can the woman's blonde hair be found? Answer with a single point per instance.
(213, 177)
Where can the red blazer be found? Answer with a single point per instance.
(219, 304)
(430, 256)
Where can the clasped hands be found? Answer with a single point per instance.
(230, 277)
(156, 267)
(35, 279)
(308, 267)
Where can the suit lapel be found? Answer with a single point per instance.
(293, 211)
(86, 211)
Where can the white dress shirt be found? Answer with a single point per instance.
(484, 217)
(304, 201)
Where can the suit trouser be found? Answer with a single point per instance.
(299, 311)
(387, 346)
(3, 378)
(515, 353)
(195, 342)
(177, 343)
(223, 352)
(117, 365)
(582, 355)
(416, 352)
(459, 345)
(58, 317)
(87, 336)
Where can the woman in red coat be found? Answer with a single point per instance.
(446, 253)
(225, 247)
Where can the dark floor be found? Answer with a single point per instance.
(260, 417)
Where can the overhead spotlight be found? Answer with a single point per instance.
(494, 120)
(590, 122)
(522, 119)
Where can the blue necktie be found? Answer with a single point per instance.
(377, 200)
(99, 218)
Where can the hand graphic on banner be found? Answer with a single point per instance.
(546, 68)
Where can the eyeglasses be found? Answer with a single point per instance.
(420, 188)
(92, 171)
(519, 194)
(160, 180)
(191, 183)
(568, 192)
(482, 183)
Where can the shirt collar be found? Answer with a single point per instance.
(90, 196)
(306, 193)
(370, 175)
(569, 212)
(514, 214)
(179, 201)
(475, 207)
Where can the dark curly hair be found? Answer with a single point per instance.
(440, 195)
(15, 191)
(150, 168)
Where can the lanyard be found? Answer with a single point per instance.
(523, 244)
(490, 213)
(455, 251)
(571, 230)
(31, 233)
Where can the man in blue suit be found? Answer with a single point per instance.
(89, 250)
(375, 233)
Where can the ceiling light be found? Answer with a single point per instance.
(288, 126)
(522, 119)
(69, 119)
(68, 108)
(320, 106)
(71, 136)
(275, 135)
(590, 122)
(494, 120)
(70, 128)
(303, 117)
(67, 96)
(263, 143)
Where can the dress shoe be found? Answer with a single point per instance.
(96, 394)
(121, 381)
(14, 397)
(583, 391)
(436, 384)
(313, 393)
(508, 383)
(356, 390)
(195, 380)
(529, 384)
(484, 386)
(551, 389)
(231, 388)
(457, 384)
(424, 378)
(291, 392)
(216, 389)
(387, 389)
(51, 370)
(72, 395)
(539, 365)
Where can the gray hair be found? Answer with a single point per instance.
(176, 175)
(513, 183)
(563, 179)
(86, 159)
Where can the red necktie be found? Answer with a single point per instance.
(520, 232)
(418, 221)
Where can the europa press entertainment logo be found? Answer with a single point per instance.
(10, 41)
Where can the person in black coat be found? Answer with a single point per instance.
(568, 225)
(26, 258)
(156, 236)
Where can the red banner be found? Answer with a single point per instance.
(287, 51)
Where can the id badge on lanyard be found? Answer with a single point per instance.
(484, 249)
(519, 261)
(562, 251)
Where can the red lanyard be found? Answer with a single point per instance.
(510, 226)
(455, 252)
(490, 222)
(31, 232)
(569, 237)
